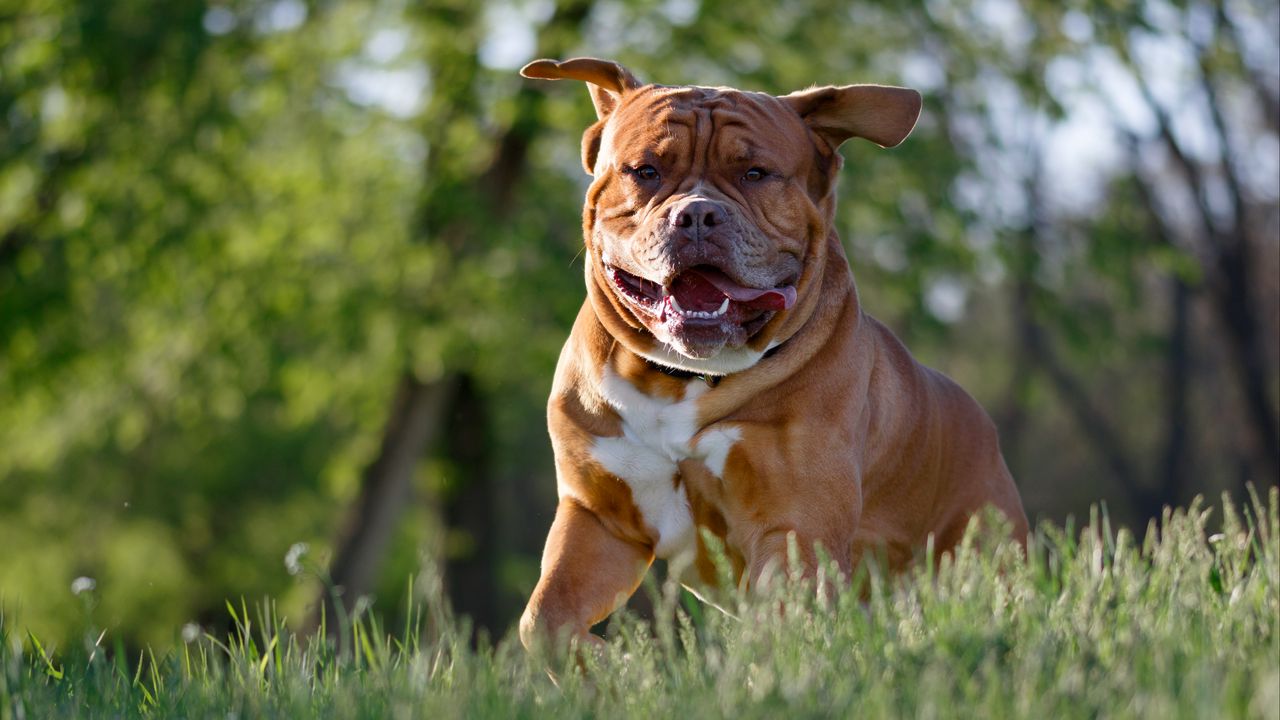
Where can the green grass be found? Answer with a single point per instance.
(1179, 623)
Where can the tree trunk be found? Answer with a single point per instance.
(385, 488)
(468, 511)
(1177, 452)
(1097, 429)
(1176, 455)
(1012, 416)
(1231, 285)
(1236, 309)
(1237, 299)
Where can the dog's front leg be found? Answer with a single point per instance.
(587, 572)
(770, 557)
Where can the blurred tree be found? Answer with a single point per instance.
(1141, 227)
(203, 238)
(466, 209)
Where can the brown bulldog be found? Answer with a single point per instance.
(721, 374)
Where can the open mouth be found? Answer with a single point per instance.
(703, 300)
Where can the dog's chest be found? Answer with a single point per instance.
(658, 433)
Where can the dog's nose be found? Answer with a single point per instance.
(696, 217)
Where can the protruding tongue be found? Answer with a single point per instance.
(701, 288)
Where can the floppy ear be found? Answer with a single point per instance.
(608, 81)
(882, 114)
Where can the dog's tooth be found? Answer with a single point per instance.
(675, 305)
(724, 307)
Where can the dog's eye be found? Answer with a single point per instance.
(754, 175)
(647, 173)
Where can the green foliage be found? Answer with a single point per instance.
(1099, 623)
(199, 306)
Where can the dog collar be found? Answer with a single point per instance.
(710, 380)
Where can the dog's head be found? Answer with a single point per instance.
(710, 208)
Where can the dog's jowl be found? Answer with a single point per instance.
(722, 374)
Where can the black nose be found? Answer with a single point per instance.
(697, 217)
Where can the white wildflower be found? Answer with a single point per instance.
(293, 558)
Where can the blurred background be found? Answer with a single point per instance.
(285, 280)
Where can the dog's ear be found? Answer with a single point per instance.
(882, 114)
(608, 81)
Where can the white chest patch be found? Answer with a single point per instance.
(656, 435)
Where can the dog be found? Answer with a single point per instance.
(721, 376)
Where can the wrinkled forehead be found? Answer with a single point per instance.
(729, 124)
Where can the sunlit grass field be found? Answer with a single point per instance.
(1175, 623)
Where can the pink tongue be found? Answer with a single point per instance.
(771, 299)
